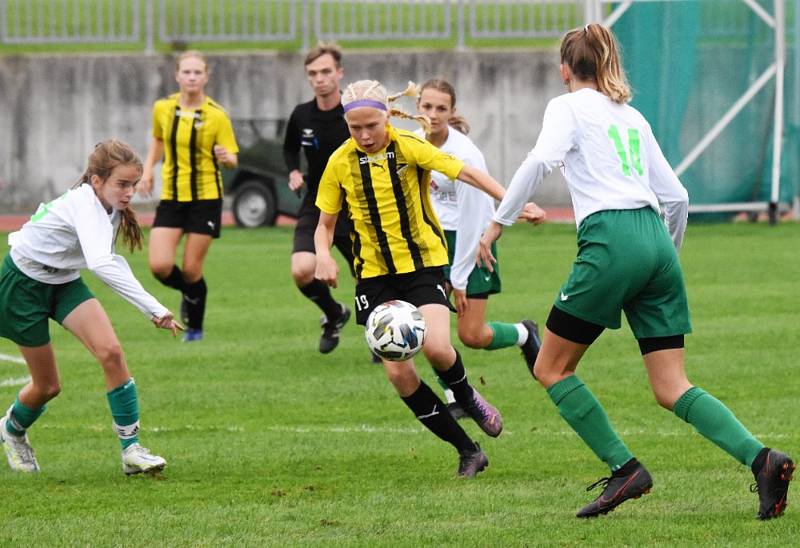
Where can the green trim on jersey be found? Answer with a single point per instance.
(26, 304)
(481, 281)
(627, 261)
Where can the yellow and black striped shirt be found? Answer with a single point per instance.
(190, 171)
(396, 229)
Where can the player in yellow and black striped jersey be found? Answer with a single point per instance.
(384, 173)
(190, 170)
(194, 136)
(396, 229)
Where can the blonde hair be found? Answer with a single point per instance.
(592, 53)
(372, 90)
(106, 157)
(189, 54)
(443, 86)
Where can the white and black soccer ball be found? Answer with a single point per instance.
(395, 330)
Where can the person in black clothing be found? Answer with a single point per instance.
(318, 127)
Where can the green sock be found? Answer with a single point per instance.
(124, 405)
(586, 416)
(716, 423)
(503, 335)
(22, 417)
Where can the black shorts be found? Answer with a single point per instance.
(307, 225)
(424, 286)
(198, 217)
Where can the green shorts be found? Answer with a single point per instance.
(26, 305)
(481, 282)
(627, 261)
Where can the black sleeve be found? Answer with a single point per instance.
(291, 144)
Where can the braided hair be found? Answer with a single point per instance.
(106, 156)
(372, 91)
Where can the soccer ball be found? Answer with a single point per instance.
(395, 330)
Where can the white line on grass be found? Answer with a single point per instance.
(14, 359)
(361, 428)
(368, 429)
(19, 381)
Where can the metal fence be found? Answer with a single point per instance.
(228, 20)
(148, 23)
(384, 20)
(73, 21)
(525, 19)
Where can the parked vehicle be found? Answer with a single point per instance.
(259, 185)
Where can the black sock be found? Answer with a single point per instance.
(195, 295)
(433, 414)
(627, 468)
(174, 280)
(456, 380)
(759, 461)
(320, 294)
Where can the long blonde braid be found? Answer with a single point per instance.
(372, 90)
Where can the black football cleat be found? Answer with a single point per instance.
(331, 330)
(530, 350)
(617, 489)
(472, 462)
(772, 484)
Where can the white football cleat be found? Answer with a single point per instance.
(137, 459)
(18, 451)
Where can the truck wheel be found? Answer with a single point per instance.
(254, 205)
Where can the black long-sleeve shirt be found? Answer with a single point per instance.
(319, 133)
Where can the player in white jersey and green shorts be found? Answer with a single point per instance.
(464, 212)
(627, 261)
(40, 279)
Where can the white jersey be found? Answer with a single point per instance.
(461, 207)
(73, 232)
(610, 157)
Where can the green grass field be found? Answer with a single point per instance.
(271, 443)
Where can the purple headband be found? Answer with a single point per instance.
(364, 103)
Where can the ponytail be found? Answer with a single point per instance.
(459, 123)
(107, 155)
(592, 54)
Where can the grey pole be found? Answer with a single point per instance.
(461, 24)
(304, 25)
(148, 27)
(777, 134)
